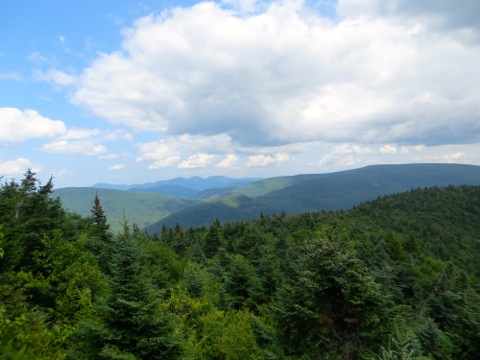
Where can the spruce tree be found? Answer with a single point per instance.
(131, 325)
(101, 240)
(99, 219)
(213, 239)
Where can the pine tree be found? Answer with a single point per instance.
(331, 305)
(99, 219)
(27, 212)
(101, 240)
(213, 239)
(131, 325)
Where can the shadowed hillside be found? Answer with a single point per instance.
(335, 191)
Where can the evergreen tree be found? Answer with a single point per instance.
(131, 325)
(213, 239)
(27, 212)
(242, 283)
(101, 241)
(331, 305)
(99, 219)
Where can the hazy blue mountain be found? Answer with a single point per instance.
(195, 183)
(334, 191)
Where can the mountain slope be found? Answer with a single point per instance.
(140, 208)
(341, 190)
(346, 189)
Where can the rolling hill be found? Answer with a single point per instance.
(334, 191)
(182, 187)
(142, 209)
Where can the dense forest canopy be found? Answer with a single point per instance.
(395, 278)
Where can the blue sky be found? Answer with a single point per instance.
(129, 92)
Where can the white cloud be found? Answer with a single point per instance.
(169, 151)
(83, 147)
(117, 167)
(455, 157)
(228, 161)
(198, 160)
(118, 134)
(38, 58)
(74, 133)
(110, 156)
(388, 149)
(266, 160)
(348, 149)
(14, 167)
(277, 74)
(164, 162)
(61, 173)
(55, 76)
(19, 125)
(155, 151)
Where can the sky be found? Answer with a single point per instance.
(126, 91)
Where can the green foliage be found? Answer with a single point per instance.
(429, 337)
(27, 213)
(69, 278)
(213, 239)
(331, 305)
(2, 252)
(131, 325)
(396, 278)
(242, 286)
(28, 337)
(223, 335)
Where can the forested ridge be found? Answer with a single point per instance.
(394, 278)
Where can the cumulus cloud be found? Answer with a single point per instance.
(110, 156)
(83, 147)
(346, 156)
(61, 173)
(196, 161)
(381, 72)
(14, 167)
(389, 149)
(55, 76)
(117, 167)
(343, 156)
(228, 161)
(80, 133)
(169, 151)
(455, 157)
(20, 125)
(118, 134)
(265, 160)
(164, 162)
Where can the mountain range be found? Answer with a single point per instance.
(196, 201)
(182, 187)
